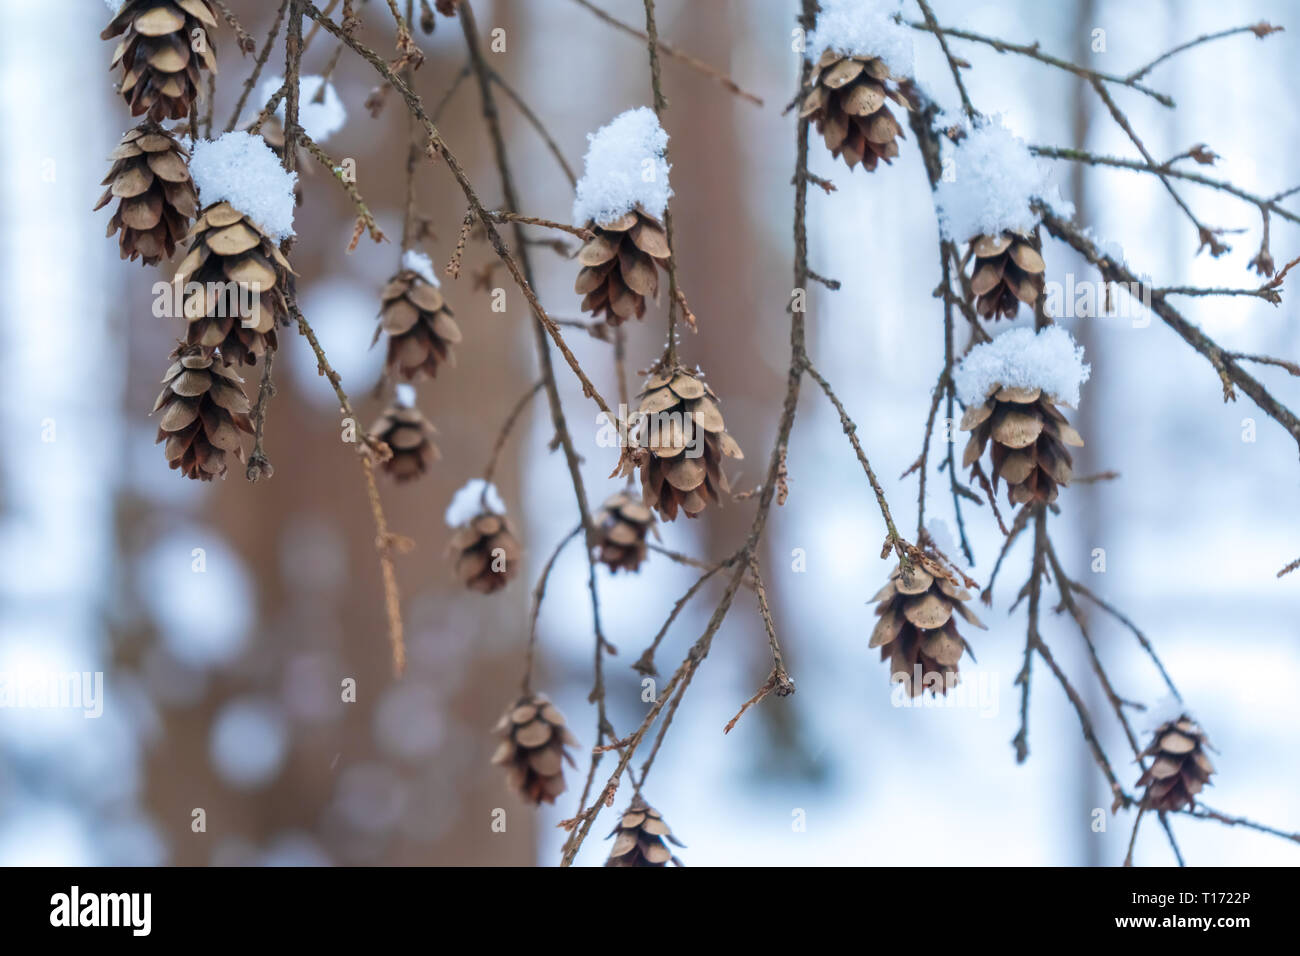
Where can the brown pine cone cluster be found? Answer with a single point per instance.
(641, 834)
(420, 327)
(203, 411)
(158, 55)
(680, 440)
(410, 436)
(623, 521)
(917, 632)
(1008, 270)
(485, 552)
(1029, 438)
(848, 103)
(533, 738)
(243, 275)
(150, 178)
(1180, 769)
(620, 266)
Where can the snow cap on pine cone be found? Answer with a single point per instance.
(1049, 360)
(995, 179)
(242, 170)
(862, 28)
(624, 168)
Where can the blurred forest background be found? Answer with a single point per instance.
(222, 687)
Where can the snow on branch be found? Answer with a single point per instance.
(320, 114)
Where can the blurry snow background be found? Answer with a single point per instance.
(223, 687)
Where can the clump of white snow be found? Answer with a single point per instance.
(625, 167)
(467, 503)
(242, 170)
(994, 177)
(321, 119)
(863, 28)
(1049, 360)
(421, 265)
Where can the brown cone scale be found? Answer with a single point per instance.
(150, 178)
(681, 440)
(1008, 271)
(201, 411)
(410, 436)
(229, 253)
(1029, 435)
(485, 552)
(917, 629)
(1180, 767)
(622, 523)
(849, 103)
(620, 266)
(533, 737)
(161, 67)
(639, 838)
(420, 327)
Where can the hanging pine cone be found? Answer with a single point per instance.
(1180, 769)
(680, 440)
(1008, 270)
(151, 178)
(623, 521)
(847, 102)
(421, 330)
(532, 748)
(485, 552)
(1029, 438)
(243, 275)
(620, 266)
(410, 435)
(917, 631)
(641, 834)
(204, 409)
(160, 65)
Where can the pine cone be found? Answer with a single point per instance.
(532, 748)
(410, 435)
(623, 521)
(420, 328)
(917, 631)
(681, 439)
(1008, 270)
(1029, 439)
(1181, 768)
(151, 177)
(160, 67)
(203, 411)
(485, 552)
(847, 102)
(620, 266)
(641, 834)
(233, 259)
